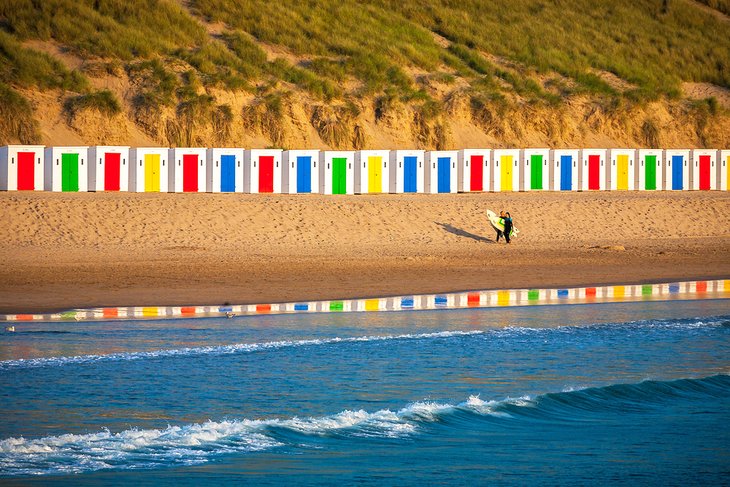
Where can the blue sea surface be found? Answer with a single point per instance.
(632, 394)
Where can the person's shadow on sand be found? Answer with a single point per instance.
(463, 233)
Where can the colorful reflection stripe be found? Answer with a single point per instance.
(689, 290)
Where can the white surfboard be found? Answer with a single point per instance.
(498, 223)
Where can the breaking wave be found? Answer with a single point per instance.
(199, 443)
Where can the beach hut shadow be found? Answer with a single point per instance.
(463, 233)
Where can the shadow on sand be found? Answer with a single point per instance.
(463, 233)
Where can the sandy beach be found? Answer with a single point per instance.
(61, 251)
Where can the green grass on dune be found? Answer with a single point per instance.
(538, 50)
(644, 42)
(637, 40)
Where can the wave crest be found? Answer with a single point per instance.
(198, 443)
(219, 349)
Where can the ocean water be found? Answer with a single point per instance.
(632, 394)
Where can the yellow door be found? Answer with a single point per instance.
(506, 175)
(375, 178)
(152, 173)
(622, 170)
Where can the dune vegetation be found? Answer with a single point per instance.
(217, 71)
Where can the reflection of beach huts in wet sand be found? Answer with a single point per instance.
(187, 170)
(506, 174)
(704, 169)
(536, 167)
(676, 176)
(150, 170)
(224, 170)
(22, 168)
(622, 170)
(565, 169)
(372, 173)
(650, 168)
(475, 170)
(337, 172)
(301, 171)
(441, 171)
(724, 169)
(593, 169)
(67, 169)
(262, 171)
(407, 171)
(108, 168)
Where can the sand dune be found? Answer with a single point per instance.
(70, 250)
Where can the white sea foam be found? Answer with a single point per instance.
(219, 349)
(197, 443)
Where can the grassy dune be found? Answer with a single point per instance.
(497, 54)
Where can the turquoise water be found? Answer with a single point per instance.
(635, 393)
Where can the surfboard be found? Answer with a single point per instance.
(498, 223)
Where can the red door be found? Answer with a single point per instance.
(26, 171)
(477, 173)
(111, 171)
(705, 172)
(594, 172)
(190, 173)
(266, 174)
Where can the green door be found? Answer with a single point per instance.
(339, 175)
(69, 172)
(650, 173)
(536, 171)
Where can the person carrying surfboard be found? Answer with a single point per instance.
(499, 232)
(507, 226)
(501, 226)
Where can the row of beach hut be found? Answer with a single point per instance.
(118, 168)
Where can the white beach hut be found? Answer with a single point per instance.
(372, 173)
(67, 169)
(109, 168)
(224, 170)
(565, 169)
(704, 169)
(337, 172)
(724, 167)
(150, 169)
(22, 168)
(650, 168)
(676, 169)
(475, 170)
(301, 171)
(441, 171)
(623, 169)
(407, 171)
(262, 170)
(593, 169)
(187, 171)
(536, 168)
(506, 174)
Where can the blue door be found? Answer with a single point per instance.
(304, 174)
(444, 172)
(566, 173)
(228, 174)
(410, 182)
(677, 173)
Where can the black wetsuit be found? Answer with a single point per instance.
(507, 228)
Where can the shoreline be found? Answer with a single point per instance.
(60, 251)
(477, 299)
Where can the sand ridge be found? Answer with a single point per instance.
(62, 250)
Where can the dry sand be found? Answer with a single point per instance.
(60, 251)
